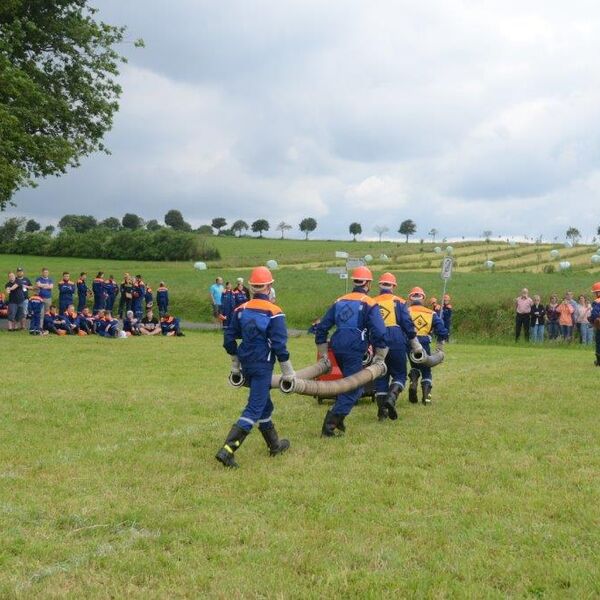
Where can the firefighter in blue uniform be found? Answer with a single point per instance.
(162, 298)
(111, 289)
(446, 313)
(66, 292)
(399, 329)
(261, 327)
(138, 293)
(426, 322)
(82, 291)
(36, 315)
(357, 320)
(99, 292)
(594, 319)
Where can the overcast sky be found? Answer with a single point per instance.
(463, 116)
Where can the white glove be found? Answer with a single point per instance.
(287, 371)
(380, 354)
(323, 350)
(415, 346)
(236, 367)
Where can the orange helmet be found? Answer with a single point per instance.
(260, 276)
(596, 287)
(362, 274)
(388, 278)
(416, 291)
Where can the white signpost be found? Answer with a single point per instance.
(351, 263)
(446, 273)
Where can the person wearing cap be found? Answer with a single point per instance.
(357, 321)
(399, 329)
(426, 322)
(262, 328)
(162, 298)
(26, 283)
(594, 319)
(15, 299)
(66, 292)
(446, 313)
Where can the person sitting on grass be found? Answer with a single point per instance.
(86, 321)
(3, 306)
(131, 325)
(72, 320)
(106, 325)
(150, 325)
(169, 325)
(54, 323)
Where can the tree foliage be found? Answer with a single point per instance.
(259, 226)
(380, 230)
(79, 223)
(58, 88)
(32, 226)
(111, 223)
(153, 225)
(355, 229)
(308, 225)
(433, 234)
(205, 230)
(218, 223)
(407, 227)
(132, 221)
(283, 227)
(573, 234)
(239, 226)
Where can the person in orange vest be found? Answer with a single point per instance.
(261, 327)
(426, 322)
(594, 319)
(357, 320)
(399, 329)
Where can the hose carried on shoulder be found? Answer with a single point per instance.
(319, 368)
(326, 389)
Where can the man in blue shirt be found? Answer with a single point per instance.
(45, 284)
(66, 292)
(216, 295)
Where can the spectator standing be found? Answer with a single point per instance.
(216, 296)
(26, 283)
(227, 304)
(523, 306)
(16, 299)
(538, 319)
(571, 301)
(552, 316)
(584, 310)
(240, 286)
(162, 298)
(241, 294)
(45, 284)
(565, 319)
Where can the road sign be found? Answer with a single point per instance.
(336, 270)
(340, 254)
(343, 275)
(447, 268)
(352, 263)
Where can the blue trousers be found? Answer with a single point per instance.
(81, 302)
(349, 363)
(99, 303)
(260, 406)
(598, 341)
(63, 304)
(396, 365)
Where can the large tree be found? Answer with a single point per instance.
(433, 233)
(407, 228)
(259, 226)
(132, 221)
(218, 223)
(573, 234)
(32, 226)
(307, 226)
(80, 223)
(111, 223)
(283, 227)
(238, 226)
(58, 88)
(355, 229)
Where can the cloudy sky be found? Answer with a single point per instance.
(461, 115)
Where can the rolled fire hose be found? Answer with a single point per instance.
(326, 389)
(319, 368)
(428, 360)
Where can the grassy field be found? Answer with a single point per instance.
(109, 488)
(482, 300)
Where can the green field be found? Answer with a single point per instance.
(482, 300)
(109, 488)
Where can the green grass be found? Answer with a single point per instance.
(109, 488)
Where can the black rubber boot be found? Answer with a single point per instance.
(234, 440)
(382, 412)
(275, 445)
(390, 401)
(331, 423)
(412, 388)
(426, 389)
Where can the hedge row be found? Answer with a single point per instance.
(164, 244)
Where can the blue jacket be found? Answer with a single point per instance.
(357, 320)
(66, 291)
(169, 325)
(399, 327)
(228, 304)
(595, 314)
(162, 296)
(82, 289)
(261, 326)
(35, 307)
(139, 292)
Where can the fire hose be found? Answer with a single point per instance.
(326, 389)
(427, 360)
(319, 368)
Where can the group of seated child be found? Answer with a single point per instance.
(103, 323)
